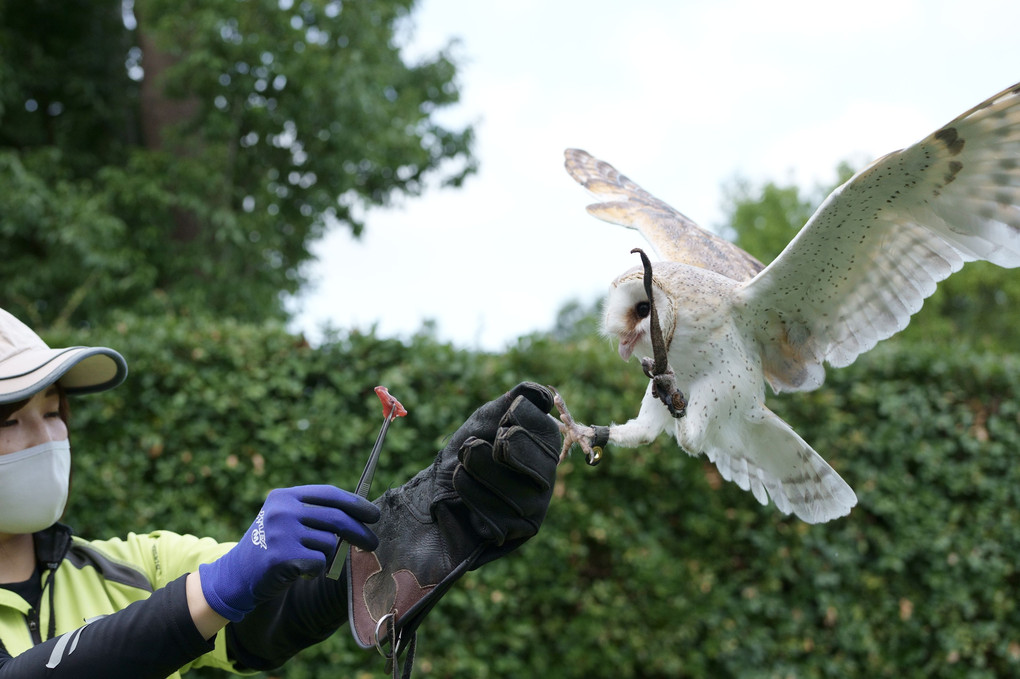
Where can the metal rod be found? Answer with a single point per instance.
(391, 410)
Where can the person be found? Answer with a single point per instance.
(156, 605)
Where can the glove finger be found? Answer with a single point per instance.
(494, 478)
(364, 538)
(484, 422)
(539, 396)
(492, 516)
(351, 504)
(525, 413)
(324, 541)
(529, 442)
(507, 501)
(322, 526)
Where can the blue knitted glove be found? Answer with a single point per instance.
(293, 536)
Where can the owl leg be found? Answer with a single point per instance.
(664, 387)
(591, 439)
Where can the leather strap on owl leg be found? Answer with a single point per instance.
(657, 369)
(661, 364)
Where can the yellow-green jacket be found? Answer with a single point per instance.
(83, 583)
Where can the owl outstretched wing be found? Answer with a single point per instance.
(673, 236)
(877, 246)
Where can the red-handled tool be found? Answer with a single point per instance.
(391, 410)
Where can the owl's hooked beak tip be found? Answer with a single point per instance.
(627, 344)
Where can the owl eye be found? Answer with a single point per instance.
(642, 309)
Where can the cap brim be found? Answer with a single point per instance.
(80, 370)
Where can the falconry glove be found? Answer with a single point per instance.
(485, 495)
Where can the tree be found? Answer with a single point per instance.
(199, 148)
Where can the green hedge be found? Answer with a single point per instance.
(648, 565)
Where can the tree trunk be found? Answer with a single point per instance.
(161, 113)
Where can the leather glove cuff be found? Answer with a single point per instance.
(405, 577)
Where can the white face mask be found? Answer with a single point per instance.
(33, 487)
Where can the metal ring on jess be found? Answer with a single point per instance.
(389, 618)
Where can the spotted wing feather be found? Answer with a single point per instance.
(875, 249)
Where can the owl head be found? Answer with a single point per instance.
(627, 313)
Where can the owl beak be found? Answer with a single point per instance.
(627, 344)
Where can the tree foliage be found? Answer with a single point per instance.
(649, 565)
(198, 148)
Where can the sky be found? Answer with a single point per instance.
(683, 97)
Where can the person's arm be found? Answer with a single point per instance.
(150, 639)
(155, 637)
(207, 621)
(307, 613)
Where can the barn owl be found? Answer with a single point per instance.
(853, 275)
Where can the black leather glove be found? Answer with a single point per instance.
(484, 496)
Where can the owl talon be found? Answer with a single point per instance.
(583, 435)
(665, 389)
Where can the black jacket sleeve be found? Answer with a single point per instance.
(307, 613)
(149, 639)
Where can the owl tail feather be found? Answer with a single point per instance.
(769, 459)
